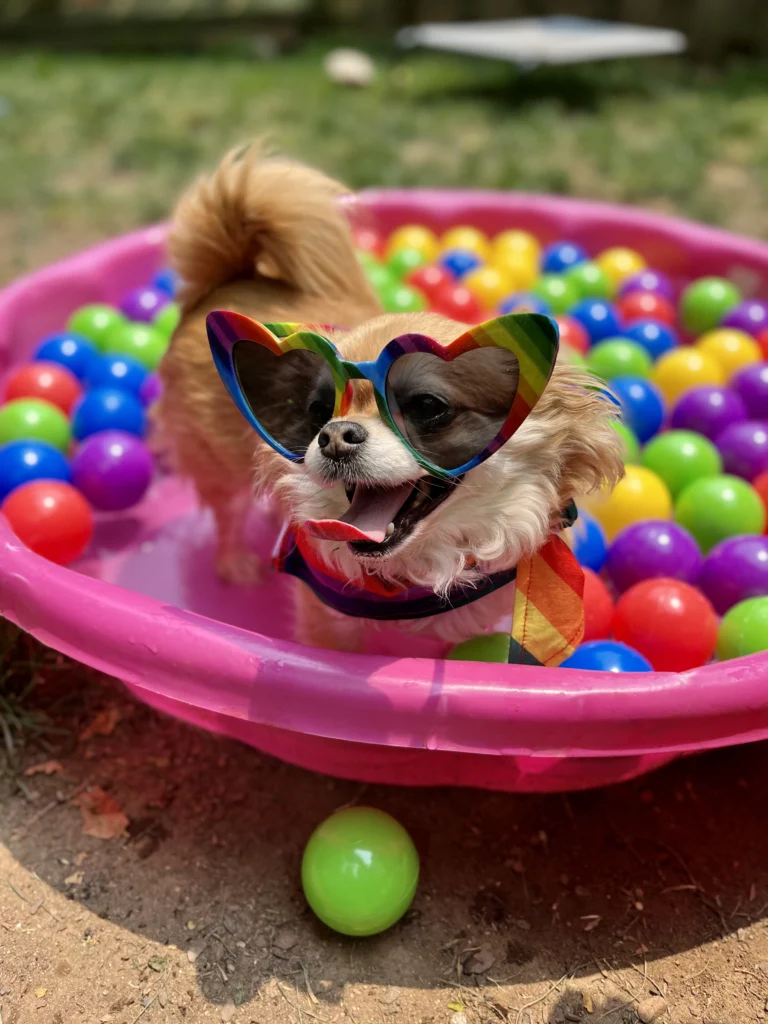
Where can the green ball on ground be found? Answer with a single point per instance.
(97, 322)
(618, 357)
(491, 647)
(744, 629)
(705, 302)
(680, 457)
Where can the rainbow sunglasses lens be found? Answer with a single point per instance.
(291, 395)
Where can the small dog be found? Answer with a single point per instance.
(369, 480)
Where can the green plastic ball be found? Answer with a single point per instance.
(744, 629)
(715, 507)
(167, 320)
(380, 277)
(680, 457)
(558, 291)
(99, 323)
(367, 259)
(489, 647)
(629, 443)
(28, 419)
(400, 298)
(590, 281)
(142, 341)
(403, 261)
(617, 357)
(705, 302)
(359, 871)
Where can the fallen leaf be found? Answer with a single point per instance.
(44, 768)
(157, 963)
(75, 879)
(103, 817)
(457, 1007)
(40, 992)
(103, 723)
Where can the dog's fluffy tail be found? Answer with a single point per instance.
(262, 216)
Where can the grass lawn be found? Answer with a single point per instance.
(91, 146)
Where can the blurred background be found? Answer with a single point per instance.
(107, 108)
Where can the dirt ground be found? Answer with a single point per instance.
(623, 904)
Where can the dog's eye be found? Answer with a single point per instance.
(426, 407)
(320, 410)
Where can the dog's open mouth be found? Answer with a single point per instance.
(380, 518)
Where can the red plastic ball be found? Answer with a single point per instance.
(760, 484)
(646, 306)
(572, 333)
(762, 341)
(668, 621)
(430, 279)
(457, 303)
(55, 383)
(368, 240)
(52, 518)
(598, 607)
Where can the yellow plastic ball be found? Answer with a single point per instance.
(521, 268)
(489, 285)
(465, 237)
(414, 236)
(685, 368)
(730, 348)
(618, 264)
(641, 494)
(519, 243)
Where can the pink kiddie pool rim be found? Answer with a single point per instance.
(253, 682)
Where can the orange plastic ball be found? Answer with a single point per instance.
(52, 518)
(55, 383)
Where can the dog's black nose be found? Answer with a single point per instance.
(338, 440)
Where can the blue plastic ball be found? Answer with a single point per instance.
(108, 409)
(167, 281)
(642, 405)
(655, 337)
(524, 302)
(460, 261)
(588, 542)
(561, 256)
(117, 371)
(21, 462)
(607, 656)
(74, 351)
(599, 318)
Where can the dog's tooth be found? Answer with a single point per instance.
(390, 529)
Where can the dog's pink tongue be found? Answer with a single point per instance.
(367, 518)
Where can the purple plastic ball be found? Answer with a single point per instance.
(112, 469)
(649, 281)
(750, 316)
(751, 382)
(744, 448)
(143, 304)
(708, 410)
(652, 548)
(151, 389)
(734, 570)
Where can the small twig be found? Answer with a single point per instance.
(312, 997)
(621, 1006)
(144, 1009)
(22, 832)
(671, 850)
(741, 970)
(293, 1007)
(546, 995)
(298, 1003)
(19, 894)
(680, 888)
(616, 983)
(644, 975)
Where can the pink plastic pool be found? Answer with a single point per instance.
(146, 607)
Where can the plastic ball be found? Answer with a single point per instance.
(403, 261)
(588, 543)
(751, 384)
(401, 298)
(140, 341)
(21, 462)
(457, 303)
(598, 608)
(167, 320)
(561, 256)
(430, 279)
(557, 291)
(108, 409)
(488, 284)
(730, 348)
(641, 404)
(72, 351)
(646, 306)
(650, 549)
(166, 280)
(750, 316)
(468, 238)
(619, 264)
(648, 280)
(679, 457)
(112, 469)
(655, 337)
(490, 647)
(762, 341)
(51, 518)
(607, 656)
(717, 507)
(630, 446)
(51, 381)
(368, 240)
(708, 411)
(744, 629)
(150, 390)
(572, 333)
(359, 871)
(415, 237)
(744, 448)
(598, 317)
(761, 487)
(520, 243)
(522, 271)
(669, 622)
(570, 357)
(590, 281)
(113, 371)
(143, 304)
(379, 277)
(524, 302)
(34, 419)
(705, 302)
(734, 570)
(685, 368)
(460, 262)
(99, 323)
(616, 357)
(640, 494)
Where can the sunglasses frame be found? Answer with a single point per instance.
(531, 337)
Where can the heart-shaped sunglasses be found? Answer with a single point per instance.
(452, 405)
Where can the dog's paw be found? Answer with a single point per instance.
(240, 568)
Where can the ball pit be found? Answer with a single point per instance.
(225, 660)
